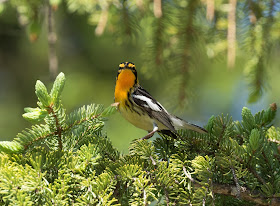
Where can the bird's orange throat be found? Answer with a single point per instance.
(125, 81)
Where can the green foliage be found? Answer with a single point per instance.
(10, 147)
(176, 33)
(69, 161)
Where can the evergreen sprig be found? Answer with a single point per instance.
(68, 161)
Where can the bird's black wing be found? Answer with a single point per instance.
(155, 110)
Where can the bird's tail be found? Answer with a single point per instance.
(182, 124)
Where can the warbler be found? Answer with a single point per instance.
(139, 108)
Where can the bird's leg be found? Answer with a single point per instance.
(150, 134)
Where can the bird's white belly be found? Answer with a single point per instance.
(142, 121)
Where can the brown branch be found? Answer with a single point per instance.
(231, 34)
(252, 16)
(140, 4)
(52, 38)
(153, 161)
(210, 9)
(207, 189)
(236, 191)
(145, 197)
(166, 196)
(245, 194)
(83, 134)
(59, 129)
(157, 8)
(274, 140)
(188, 175)
(62, 130)
(102, 21)
(238, 188)
(259, 178)
(38, 139)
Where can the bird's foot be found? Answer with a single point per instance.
(148, 136)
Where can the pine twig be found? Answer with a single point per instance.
(207, 190)
(166, 196)
(238, 188)
(26, 146)
(259, 178)
(274, 140)
(59, 129)
(253, 171)
(145, 198)
(153, 161)
(188, 175)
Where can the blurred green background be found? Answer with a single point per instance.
(181, 57)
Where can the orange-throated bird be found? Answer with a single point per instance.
(139, 108)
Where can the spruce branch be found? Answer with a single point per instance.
(188, 175)
(256, 175)
(59, 128)
(243, 193)
(29, 137)
(236, 159)
(58, 124)
(206, 193)
(10, 147)
(251, 169)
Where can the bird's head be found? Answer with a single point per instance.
(127, 75)
(126, 79)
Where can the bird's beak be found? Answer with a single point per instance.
(116, 104)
